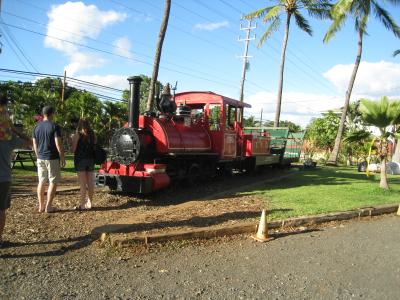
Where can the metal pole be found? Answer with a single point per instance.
(245, 62)
(63, 86)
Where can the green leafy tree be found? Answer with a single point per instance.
(274, 14)
(114, 116)
(381, 114)
(249, 122)
(322, 131)
(360, 11)
(356, 135)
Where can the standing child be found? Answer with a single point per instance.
(83, 142)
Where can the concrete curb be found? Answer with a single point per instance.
(247, 227)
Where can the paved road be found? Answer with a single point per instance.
(358, 259)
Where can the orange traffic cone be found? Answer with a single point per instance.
(262, 230)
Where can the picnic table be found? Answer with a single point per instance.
(23, 155)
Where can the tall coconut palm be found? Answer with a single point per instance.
(360, 10)
(381, 114)
(273, 15)
(396, 52)
(161, 36)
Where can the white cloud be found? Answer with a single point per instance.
(297, 107)
(373, 79)
(211, 26)
(114, 81)
(83, 60)
(122, 46)
(74, 21)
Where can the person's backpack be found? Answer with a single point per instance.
(100, 155)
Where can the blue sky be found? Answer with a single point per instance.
(114, 39)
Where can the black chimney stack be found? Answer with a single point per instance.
(134, 99)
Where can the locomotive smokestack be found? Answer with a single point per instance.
(134, 99)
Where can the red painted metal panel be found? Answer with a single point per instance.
(256, 145)
(172, 135)
(229, 144)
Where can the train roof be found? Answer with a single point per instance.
(208, 97)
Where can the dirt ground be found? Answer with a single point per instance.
(208, 203)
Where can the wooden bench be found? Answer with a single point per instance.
(23, 155)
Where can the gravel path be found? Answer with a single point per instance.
(357, 259)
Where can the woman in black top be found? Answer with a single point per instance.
(83, 142)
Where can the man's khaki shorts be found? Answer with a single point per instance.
(49, 170)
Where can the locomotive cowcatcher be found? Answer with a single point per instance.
(193, 135)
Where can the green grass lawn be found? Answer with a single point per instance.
(30, 170)
(326, 189)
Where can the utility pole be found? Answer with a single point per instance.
(261, 117)
(63, 87)
(245, 59)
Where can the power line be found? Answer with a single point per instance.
(118, 55)
(104, 43)
(231, 6)
(21, 50)
(251, 83)
(57, 76)
(14, 51)
(113, 33)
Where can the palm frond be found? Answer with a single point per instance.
(271, 28)
(358, 136)
(302, 22)
(273, 13)
(382, 15)
(381, 114)
(339, 13)
(397, 52)
(259, 13)
(320, 9)
(335, 27)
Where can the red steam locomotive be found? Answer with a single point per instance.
(194, 135)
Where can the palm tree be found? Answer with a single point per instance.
(381, 114)
(396, 52)
(273, 15)
(360, 10)
(161, 36)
